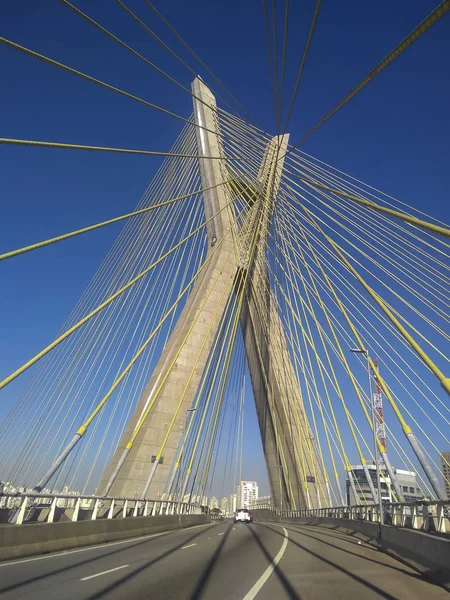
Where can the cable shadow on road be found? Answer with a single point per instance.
(327, 543)
(91, 560)
(126, 578)
(292, 594)
(382, 593)
(333, 532)
(206, 575)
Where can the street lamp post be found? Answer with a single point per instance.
(188, 410)
(376, 454)
(183, 489)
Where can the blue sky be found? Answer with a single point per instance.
(394, 134)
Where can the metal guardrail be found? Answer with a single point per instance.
(431, 516)
(29, 507)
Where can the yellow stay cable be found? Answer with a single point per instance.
(108, 86)
(385, 234)
(73, 357)
(204, 379)
(428, 22)
(268, 384)
(103, 287)
(150, 405)
(385, 323)
(300, 160)
(445, 231)
(166, 47)
(252, 254)
(283, 61)
(409, 288)
(89, 316)
(66, 236)
(132, 50)
(445, 381)
(406, 429)
(344, 359)
(302, 63)
(346, 461)
(156, 301)
(107, 356)
(198, 59)
(402, 231)
(192, 373)
(220, 395)
(63, 146)
(402, 371)
(381, 281)
(311, 342)
(319, 445)
(82, 430)
(299, 452)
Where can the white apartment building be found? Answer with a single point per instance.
(406, 480)
(247, 493)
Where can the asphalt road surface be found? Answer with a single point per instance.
(220, 561)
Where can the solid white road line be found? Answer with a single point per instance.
(104, 573)
(189, 546)
(194, 527)
(91, 548)
(267, 573)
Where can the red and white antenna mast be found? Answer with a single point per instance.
(378, 414)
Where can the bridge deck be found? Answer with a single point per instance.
(218, 561)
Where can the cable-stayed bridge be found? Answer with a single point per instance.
(248, 270)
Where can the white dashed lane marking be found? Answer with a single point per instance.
(103, 573)
(189, 546)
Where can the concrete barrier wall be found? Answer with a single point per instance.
(363, 530)
(17, 541)
(264, 514)
(427, 553)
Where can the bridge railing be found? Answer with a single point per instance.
(431, 516)
(20, 508)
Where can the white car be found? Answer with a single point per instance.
(243, 515)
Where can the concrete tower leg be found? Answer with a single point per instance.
(219, 273)
(295, 476)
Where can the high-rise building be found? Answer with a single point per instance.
(214, 503)
(247, 493)
(232, 504)
(445, 463)
(224, 505)
(406, 480)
